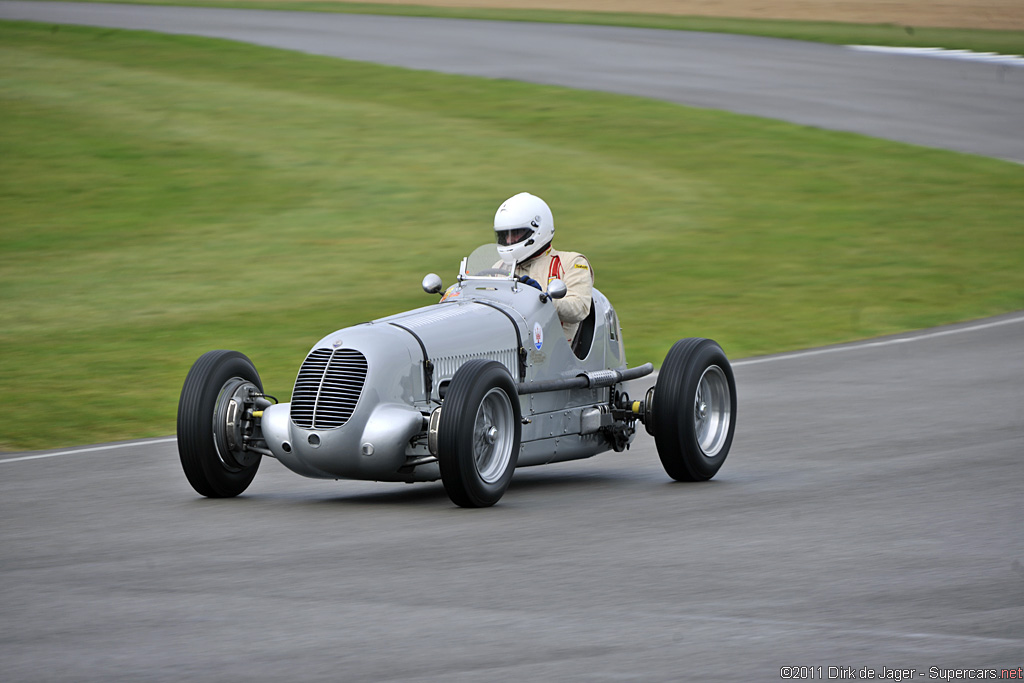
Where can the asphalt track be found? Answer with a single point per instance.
(869, 515)
(973, 107)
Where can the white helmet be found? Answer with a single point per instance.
(524, 227)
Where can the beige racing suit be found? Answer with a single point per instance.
(575, 271)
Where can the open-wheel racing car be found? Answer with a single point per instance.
(464, 390)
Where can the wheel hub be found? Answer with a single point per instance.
(711, 410)
(228, 424)
(493, 435)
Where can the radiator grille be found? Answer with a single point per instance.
(328, 388)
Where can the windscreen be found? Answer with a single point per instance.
(485, 262)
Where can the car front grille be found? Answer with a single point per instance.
(328, 387)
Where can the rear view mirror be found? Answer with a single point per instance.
(432, 284)
(556, 290)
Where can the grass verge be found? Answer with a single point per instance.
(979, 40)
(164, 195)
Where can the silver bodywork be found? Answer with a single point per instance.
(363, 397)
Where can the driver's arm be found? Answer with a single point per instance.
(579, 281)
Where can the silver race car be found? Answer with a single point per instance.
(464, 390)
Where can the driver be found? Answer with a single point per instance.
(525, 228)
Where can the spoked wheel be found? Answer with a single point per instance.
(478, 434)
(211, 413)
(694, 411)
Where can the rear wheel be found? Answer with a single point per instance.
(478, 434)
(694, 411)
(211, 413)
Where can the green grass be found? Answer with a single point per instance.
(161, 196)
(980, 40)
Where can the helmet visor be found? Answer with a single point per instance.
(507, 238)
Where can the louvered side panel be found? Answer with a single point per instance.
(445, 367)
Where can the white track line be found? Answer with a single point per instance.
(740, 363)
(883, 342)
(93, 449)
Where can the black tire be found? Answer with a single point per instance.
(477, 463)
(694, 410)
(211, 466)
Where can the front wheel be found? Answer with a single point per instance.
(211, 413)
(478, 434)
(694, 412)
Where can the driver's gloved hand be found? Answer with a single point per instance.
(527, 280)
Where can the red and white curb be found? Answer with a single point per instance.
(991, 57)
